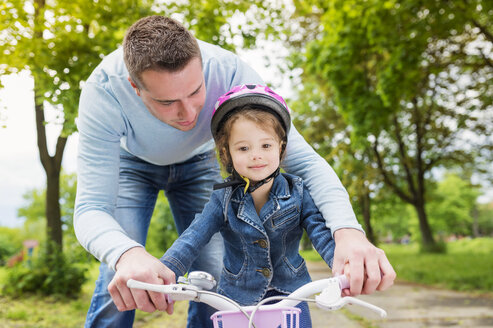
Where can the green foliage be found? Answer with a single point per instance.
(319, 119)
(311, 255)
(40, 311)
(61, 42)
(480, 246)
(411, 81)
(162, 230)
(228, 23)
(49, 273)
(485, 219)
(34, 213)
(452, 206)
(393, 219)
(10, 243)
(380, 55)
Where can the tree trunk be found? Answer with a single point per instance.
(51, 164)
(365, 203)
(475, 223)
(52, 167)
(53, 214)
(429, 243)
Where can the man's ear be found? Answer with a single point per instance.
(136, 88)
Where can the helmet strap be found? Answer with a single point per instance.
(235, 179)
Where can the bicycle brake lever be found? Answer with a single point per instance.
(330, 299)
(356, 301)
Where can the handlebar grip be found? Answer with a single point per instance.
(142, 285)
(343, 281)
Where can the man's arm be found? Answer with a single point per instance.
(100, 129)
(369, 267)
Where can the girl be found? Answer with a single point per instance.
(260, 212)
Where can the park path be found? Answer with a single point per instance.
(408, 305)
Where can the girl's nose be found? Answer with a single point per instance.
(256, 155)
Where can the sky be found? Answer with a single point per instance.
(20, 168)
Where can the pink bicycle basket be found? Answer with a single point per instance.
(287, 317)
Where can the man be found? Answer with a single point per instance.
(144, 126)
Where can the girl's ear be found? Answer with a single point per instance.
(224, 153)
(226, 159)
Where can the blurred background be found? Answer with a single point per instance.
(396, 95)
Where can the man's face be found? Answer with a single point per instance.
(175, 98)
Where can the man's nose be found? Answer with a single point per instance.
(187, 111)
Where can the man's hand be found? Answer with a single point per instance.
(369, 269)
(137, 264)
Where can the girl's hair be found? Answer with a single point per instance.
(263, 119)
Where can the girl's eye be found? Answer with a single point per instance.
(266, 145)
(243, 148)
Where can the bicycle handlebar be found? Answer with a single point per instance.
(329, 298)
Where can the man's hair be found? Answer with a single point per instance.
(263, 119)
(157, 43)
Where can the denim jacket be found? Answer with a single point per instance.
(261, 251)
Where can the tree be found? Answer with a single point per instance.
(414, 80)
(10, 243)
(452, 205)
(60, 43)
(34, 213)
(230, 24)
(484, 220)
(320, 121)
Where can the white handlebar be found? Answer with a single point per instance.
(176, 292)
(329, 299)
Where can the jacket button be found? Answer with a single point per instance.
(262, 243)
(266, 272)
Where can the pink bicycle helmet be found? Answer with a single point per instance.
(256, 95)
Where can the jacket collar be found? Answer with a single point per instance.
(281, 188)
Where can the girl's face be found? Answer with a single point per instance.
(254, 151)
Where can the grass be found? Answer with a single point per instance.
(34, 311)
(467, 265)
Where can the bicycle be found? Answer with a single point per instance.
(196, 287)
